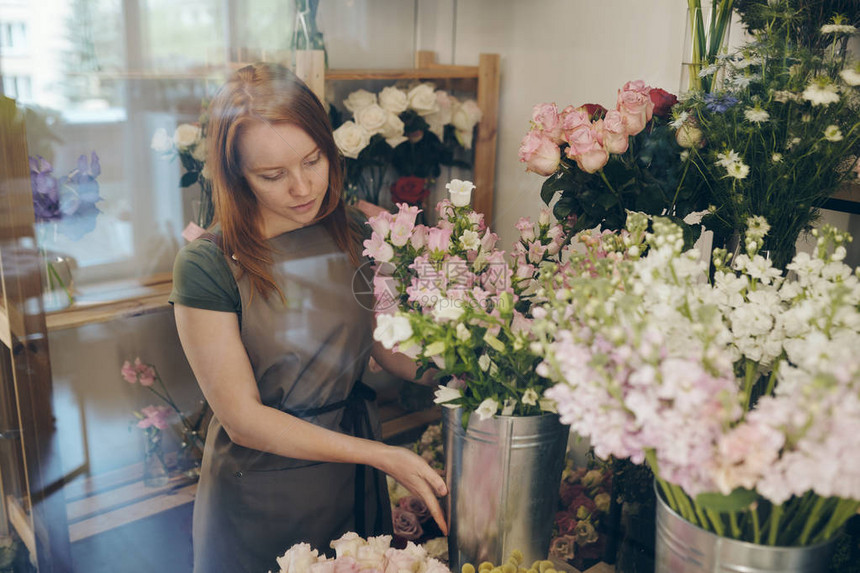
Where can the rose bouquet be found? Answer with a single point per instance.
(354, 554)
(742, 394)
(779, 134)
(189, 144)
(413, 131)
(449, 298)
(602, 162)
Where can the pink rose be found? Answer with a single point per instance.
(586, 149)
(614, 132)
(540, 154)
(563, 547)
(639, 86)
(546, 120)
(572, 120)
(415, 506)
(634, 103)
(346, 565)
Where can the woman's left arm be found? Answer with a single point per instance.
(401, 365)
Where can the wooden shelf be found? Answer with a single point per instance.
(846, 200)
(111, 301)
(430, 73)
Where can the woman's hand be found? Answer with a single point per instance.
(413, 472)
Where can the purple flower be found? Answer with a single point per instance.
(406, 524)
(415, 506)
(719, 103)
(71, 202)
(46, 194)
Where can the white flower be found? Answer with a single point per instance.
(359, 99)
(462, 332)
(186, 135)
(821, 92)
(445, 394)
(680, 120)
(460, 192)
(851, 76)
(393, 99)
(466, 115)
(738, 170)
(351, 138)
(776, 157)
(161, 142)
(372, 118)
(206, 172)
(447, 309)
(299, 558)
(464, 137)
(392, 329)
(422, 98)
(392, 130)
(199, 151)
(470, 240)
(484, 362)
(783, 96)
(756, 115)
(838, 29)
(726, 158)
(487, 409)
(685, 155)
(832, 133)
(708, 70)
(530, 397)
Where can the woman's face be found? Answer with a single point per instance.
(287, 173)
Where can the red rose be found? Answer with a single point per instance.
(569, 492)
(409, 190)
(663, 102)
(565, 522)
(594, 110)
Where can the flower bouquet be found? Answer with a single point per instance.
(354, 554)
(781, 132)
(189, 144)
(602, 162)
(413, 131)
(742, 394)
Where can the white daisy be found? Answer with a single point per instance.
(738, 170)
(679, 120)
(832, 133)
(851, 76)
(756, 115)
(776, 157)
(821, 92)
(838, 29)
(726, 158)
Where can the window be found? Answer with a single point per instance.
(13, 38)
(18, 87)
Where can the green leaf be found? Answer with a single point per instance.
(558, 181)
(189, 178)
(740, 499)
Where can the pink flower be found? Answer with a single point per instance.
(381, 223)
(614, 132)
(586, 149)
(419, 237)
(138, 372)
(128, 372)
(526, 229)
(445, 209)
(439, 240)
(573, 119)
(346, 564)
(415, 506)
(488, 241)
(547, 121)
(536, 252)
(404, 222)
(634, 103)
(540, 154)
(155, 416)
(563, 547)
(407, 526)
(376, 248)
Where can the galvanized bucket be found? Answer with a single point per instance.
(682, 547)
(503, 477)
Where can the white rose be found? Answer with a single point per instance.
(359, 99)
(392, 131)
(466, 115)
(460, 192)
(186, 135)
(347, 545)
(393, 99)
(422, 98)
(444, 394)
(392, 329)
(199, 151)
(435, 126)
(351, 139)
(372, 118)
(298, 558)
(487, 409)
(206, 173)
(161, 142)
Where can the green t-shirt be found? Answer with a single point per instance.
(203, 279)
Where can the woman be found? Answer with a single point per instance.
(276, 338)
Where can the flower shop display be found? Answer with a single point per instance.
(579, 536)
(354, 554)
(706, 42)
(189, 144)
(450, 299)
(780, 132)
(192, 431)
(742, 393)
(63, 206)
(414, 131)
(602, 163)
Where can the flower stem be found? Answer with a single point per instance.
(774, 524)
(811, 520)
(53, 275)
(756, 526)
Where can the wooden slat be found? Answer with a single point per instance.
(130, 513)
(310, 68)
(485, 142)
(425, 59)
(5, 332)
(80, 315)
(93, 485)
(446, 72)
(410, 421)
(22, 523)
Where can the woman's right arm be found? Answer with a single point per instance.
(214, 349)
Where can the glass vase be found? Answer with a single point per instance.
(155, 472)
(57, 281)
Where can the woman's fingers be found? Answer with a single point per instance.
(423, 481)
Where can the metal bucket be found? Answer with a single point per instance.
(682, 547)
(503, 477)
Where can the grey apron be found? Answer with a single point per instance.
(251, 506)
